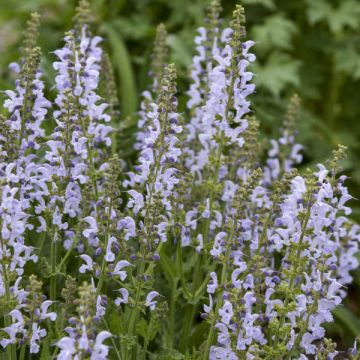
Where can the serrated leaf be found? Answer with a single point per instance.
(279, 71)
(135, 27)
(318, 10)
(180, 53)
(276, 32)
(345, 15)
(148, 330)
(266, 3)
(155, 326)
(115, 322)
(348, 61)
(142, 327)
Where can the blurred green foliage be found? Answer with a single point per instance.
(311, 47)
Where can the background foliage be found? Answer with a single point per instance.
(311, 47)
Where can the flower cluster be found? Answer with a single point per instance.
(205, 245)
(82, 339)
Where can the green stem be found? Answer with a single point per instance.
(139, 286)
(103, 265)
(172, 314)
(22, 352)
(135, 311)
(147, 338)
(11, 350)
(293, 277)
(112, 339)
(114, 141)
(53, 267)
(304, 326)
(190, 311)
(189, 314)
(41, 242)
(23, 110)
(68, 253)
(102, 273)
(214, 181)
(211, 334)
(187, 292)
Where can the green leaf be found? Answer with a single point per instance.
(142, 328)
(180, 52)
(45, 349)
(276, 32)
(279, 71)
(3, 355)
(136, 27)
(123, 68)
(146, 330)
(345, 15)
(348, 319)
(184, 11)
(170, 354)
(154, 328)
(168, 267)
(266, 3)
(347, 60)
(318, 10)
(115, 322)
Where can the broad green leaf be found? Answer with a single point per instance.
(279, 71)
(148, 330)
(348, 61)
(181, 54)
(348, 319)
(168, 267)
(123, 68)
(135, 27)
(154, 328)
(276, 32)
(184, 12)
(346, 15)
(116, 322)
(318, 10)
(266, 3)
(142, 327)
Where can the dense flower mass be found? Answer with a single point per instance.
(205, 245)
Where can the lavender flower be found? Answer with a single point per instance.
(150, 302)
(285, 147)
(81, 339)
(28, 317)
(149, 96)
(158, 158)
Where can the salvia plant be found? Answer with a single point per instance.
(210, 245)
